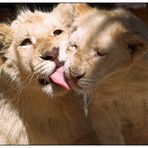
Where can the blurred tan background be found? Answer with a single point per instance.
(8, 11)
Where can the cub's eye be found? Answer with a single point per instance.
(57, 32)
(74, 45)
(100, 53)
(26, 42)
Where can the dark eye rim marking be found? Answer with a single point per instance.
(72, 44)
(101, 54)
(1, 45)
(26, 42)
(57, 32)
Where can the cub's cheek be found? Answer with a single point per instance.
(67, 65)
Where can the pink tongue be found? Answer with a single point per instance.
(58, 78)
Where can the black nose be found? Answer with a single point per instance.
(51, 55)
(76, 74)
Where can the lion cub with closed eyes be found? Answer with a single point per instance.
(34, 109)
(108, 63)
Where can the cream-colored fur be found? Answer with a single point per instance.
(108, 63)
(5, 40)
(30, 112)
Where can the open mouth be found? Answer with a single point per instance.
(57, 78)
(72, 83)
(44, 82)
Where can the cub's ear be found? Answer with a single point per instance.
(82, 9)
(66, 13)
(137, 45)
(6, 37)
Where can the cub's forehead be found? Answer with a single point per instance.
(99, 28)
(90, 29)
(35, 23)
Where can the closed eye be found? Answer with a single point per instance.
(100, 53)
(72, 44)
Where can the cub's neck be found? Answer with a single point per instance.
(132, 80)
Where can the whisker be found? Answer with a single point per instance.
(23, 84)
(16, 96)
(42, 70)
(31, 78)
(87, 80)
(39, 65)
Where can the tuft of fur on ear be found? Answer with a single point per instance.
(6, 37)
(66, 13)
(82, 9)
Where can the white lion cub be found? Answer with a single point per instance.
(33, 108)
(109, 64)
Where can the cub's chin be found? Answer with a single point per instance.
(58, 90)
(51, 89)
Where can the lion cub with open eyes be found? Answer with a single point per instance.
(33, 109)
(108, 63)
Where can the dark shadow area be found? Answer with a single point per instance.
(8, 11)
